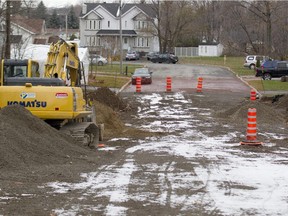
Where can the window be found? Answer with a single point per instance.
(282, 65)
(35, 69)
(140, 24)
(141, 42)
(125, 40)
(108, 24)
(92, 41)
(126, 23)
(93, 24)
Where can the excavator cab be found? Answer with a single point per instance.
(14, 69)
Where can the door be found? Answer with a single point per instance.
(282, 69)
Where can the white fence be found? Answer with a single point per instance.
(186, 51)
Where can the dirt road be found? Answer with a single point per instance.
(191, 163)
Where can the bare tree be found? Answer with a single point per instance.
(9, 8)
(266, 12)
(172, 18)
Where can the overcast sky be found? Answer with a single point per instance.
(60, 3)
(63, 3)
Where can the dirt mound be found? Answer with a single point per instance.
(110, 115)
(107, 116)
(106, 96)
(266, 114)
(282, 102)
(27, 140)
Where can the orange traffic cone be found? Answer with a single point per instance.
(168, 84)
(138, 84)
(199, 85)
(252, 95)
(251, 133)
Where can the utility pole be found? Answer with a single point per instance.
(121, 46)
(66, 26)
(7, 51)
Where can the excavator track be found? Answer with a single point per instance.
(85, 133)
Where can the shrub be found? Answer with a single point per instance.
(258, 63)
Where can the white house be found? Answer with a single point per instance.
(100, 27)
(26, 31)
(210, 49)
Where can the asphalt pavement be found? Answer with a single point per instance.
(185, 78)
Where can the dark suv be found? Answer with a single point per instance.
(272, 69)
(164, 57)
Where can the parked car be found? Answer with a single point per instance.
(151, 55)
(99, 60)
(132, 55)
(272, 69)
(251, 60)
(165, 57)
(144, 73)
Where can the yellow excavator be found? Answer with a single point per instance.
(58, 97)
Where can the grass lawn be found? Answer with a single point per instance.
(114, 69)
(234, 63)
(108, 81)
(269, 85)
(110, 76)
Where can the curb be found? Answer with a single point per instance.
(239, 77)
(123, 87)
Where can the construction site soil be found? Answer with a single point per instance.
(33, 153)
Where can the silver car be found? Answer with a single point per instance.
(251, 60)
(132, 55)
(99, 60)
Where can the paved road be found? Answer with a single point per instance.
(184, 78)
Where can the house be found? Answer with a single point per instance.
(100, 28)
(210, 49)
(25, 31)
(2, 39)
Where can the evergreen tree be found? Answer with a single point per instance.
(54, 20)
(72, 19)
(40, 12)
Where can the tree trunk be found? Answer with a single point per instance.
(8, 31)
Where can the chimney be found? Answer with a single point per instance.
(84, 9)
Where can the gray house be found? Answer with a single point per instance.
(100, 28)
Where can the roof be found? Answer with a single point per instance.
(33, 25)
(53, 39)
(58, 30)
(113, 8)
(209, 44)
(39, 41)
(117, 32)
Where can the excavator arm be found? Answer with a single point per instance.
(63, 62)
